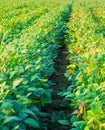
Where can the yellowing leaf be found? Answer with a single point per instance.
(44, 80)
(16, 82)
(16, 127)
(38, 66)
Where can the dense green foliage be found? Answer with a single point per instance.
(29, 41)
(86, 71)
(31, 32)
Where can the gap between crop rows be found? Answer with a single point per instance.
(59, 110)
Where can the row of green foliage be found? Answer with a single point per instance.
(25, 65)
(15, 21)
(86, 45)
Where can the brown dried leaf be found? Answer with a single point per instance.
(76, 112)
(93, 124)
(81, 106)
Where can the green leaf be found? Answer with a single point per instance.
(61, 93)
(69, 76)
(35, 109)
(95, 108)
(23, 115)
(86, 128)
(5, 128)
(6, 106)
(64, 122)
(11, 118)
(31, 122)
(34, 78)
(12, 74)
(73, 119)
(32, 89)
(42, 99)
(1, 116)
(25, 100)
(17, 106)
(41, 91)
(28, 111)
(79, 124)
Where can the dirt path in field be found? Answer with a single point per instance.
(59, 108)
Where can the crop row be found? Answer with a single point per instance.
(86, 45)
(25, 65)
(12, 27)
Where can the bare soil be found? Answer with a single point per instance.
(58, 109)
